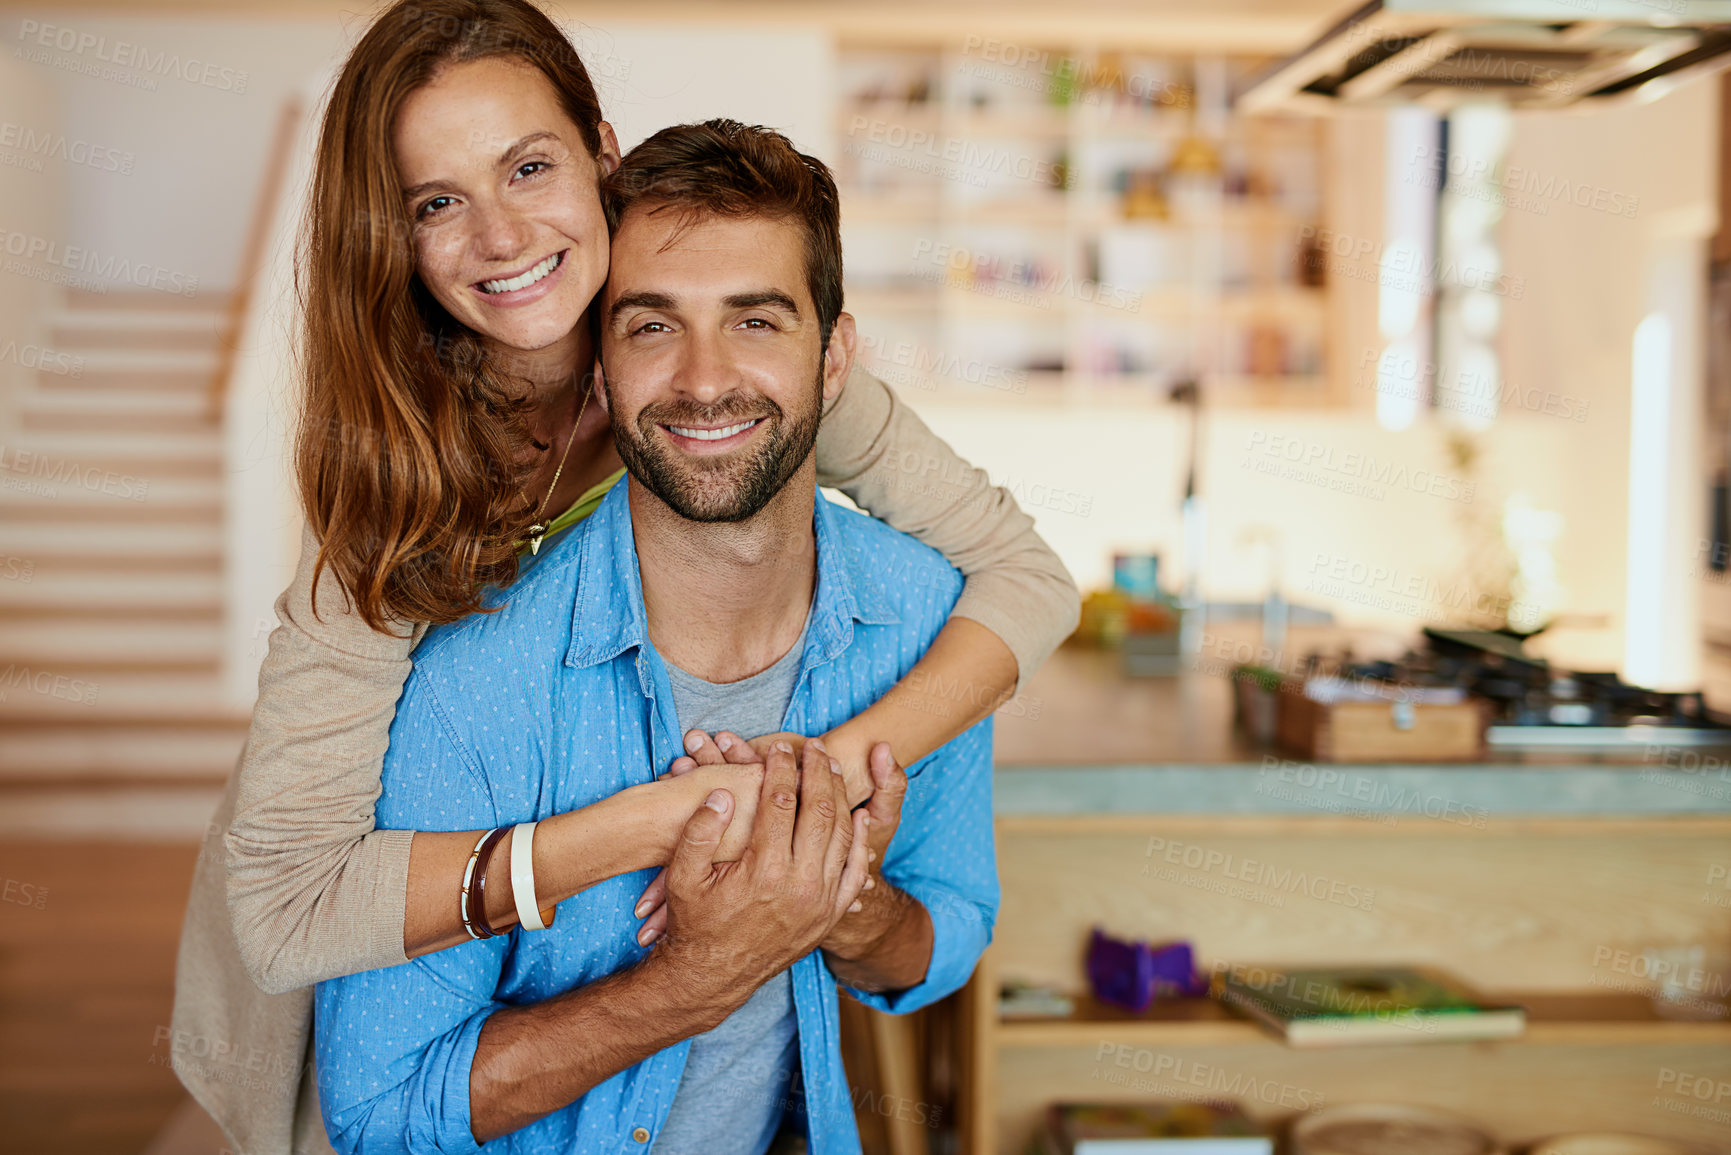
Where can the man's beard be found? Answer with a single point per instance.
(723, 489)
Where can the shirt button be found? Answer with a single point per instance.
(641, 1134)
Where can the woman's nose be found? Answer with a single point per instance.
(500, 234)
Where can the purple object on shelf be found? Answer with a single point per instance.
(1133, 974)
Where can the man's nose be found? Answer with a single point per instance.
(706, 371)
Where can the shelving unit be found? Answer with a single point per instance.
(1526, 909)
(1081, 223)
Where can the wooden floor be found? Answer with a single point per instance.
(86, 981)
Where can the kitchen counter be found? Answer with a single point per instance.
(1083, 738)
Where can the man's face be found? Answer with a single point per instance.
(714, 371)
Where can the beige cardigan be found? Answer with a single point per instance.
(296, 886)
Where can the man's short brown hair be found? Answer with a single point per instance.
(725, 168)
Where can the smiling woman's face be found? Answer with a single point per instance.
(504, 200)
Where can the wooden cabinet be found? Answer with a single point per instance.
(1557, 910)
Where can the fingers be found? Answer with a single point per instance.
(702, 749)
(889, 786)
(820, 800)
(772, 836)
(654, 926)
(736, 749)
(694, 857)
(653, 895)
(856, 867)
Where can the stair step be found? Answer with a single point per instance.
(83, 329)
(144, 301)
(119, 447)
(174, 370)
(49, 485)
(175, 815)
(46, 543)
(119, 645)
(71, 695)
(63, 484)
(90, 751)
(118, 592)
(108, 410)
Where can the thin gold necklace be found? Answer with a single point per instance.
(539, 529)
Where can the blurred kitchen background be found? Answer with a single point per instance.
(1296, 338)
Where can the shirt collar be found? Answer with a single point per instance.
(608, 616)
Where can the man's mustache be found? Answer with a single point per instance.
(727, 410)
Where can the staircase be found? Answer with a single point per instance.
(111, 511)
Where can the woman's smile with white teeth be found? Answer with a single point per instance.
(524, 280)
(714, 434)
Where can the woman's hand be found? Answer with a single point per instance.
(737, 769)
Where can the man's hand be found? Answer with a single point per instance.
(732, 926)
(849, 754)
(886, 943)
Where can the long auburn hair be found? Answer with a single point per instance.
(410, 454)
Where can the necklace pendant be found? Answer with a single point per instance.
(537, 532)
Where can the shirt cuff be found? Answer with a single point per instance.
(441, 1121)
(961, 931)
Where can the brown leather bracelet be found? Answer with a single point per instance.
(475, 898)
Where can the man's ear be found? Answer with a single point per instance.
(838, 358)
(607, 155)
(601, 388)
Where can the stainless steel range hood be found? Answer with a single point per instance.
(1525, 53)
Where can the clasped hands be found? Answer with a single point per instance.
(778, 804)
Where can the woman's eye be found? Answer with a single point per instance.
(530, 168)
(433, 206)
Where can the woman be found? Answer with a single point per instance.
(452, 256)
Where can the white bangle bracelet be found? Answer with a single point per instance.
(523, 877)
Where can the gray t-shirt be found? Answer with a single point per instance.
(737, 1077)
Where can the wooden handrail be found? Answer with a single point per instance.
(257, 248)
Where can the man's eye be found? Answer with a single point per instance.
(759, 323)
(647, 326)
(530, 168)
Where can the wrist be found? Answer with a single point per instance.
(858, 936)
(577, 849)
(847, 745)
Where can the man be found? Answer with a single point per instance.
(713, 589)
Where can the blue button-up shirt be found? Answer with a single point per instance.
(559, 700)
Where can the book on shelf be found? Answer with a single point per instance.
(1154, 1128)
(1341, 1006)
